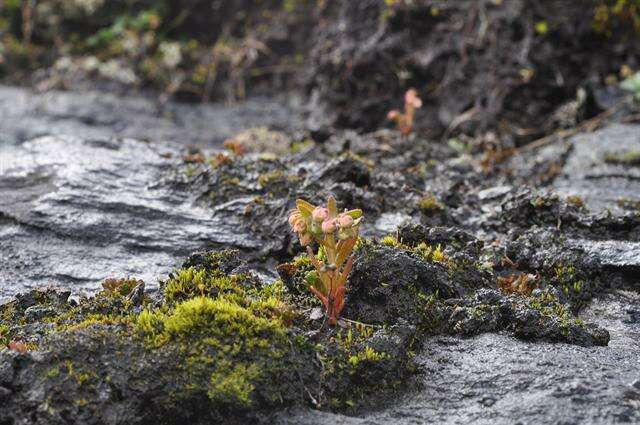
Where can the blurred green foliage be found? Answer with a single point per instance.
(613, 17)
(182, 45)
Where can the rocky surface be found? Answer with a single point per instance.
(592, 173)
(77, 210)
(98, 115)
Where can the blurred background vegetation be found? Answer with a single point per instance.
(354, 59)
(184, 46)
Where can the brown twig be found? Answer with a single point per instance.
(589, 125)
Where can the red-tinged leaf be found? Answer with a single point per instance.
(344, 249)
(322, 298)
(338, 302)
(347, 270)
(18, 346)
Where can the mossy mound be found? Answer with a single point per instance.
(441, 282)
(214, 346)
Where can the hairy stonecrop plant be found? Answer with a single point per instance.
(336, 234)
(404, 121)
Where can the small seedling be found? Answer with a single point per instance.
(523, 283)
(336, 234)
(235, 146)
(18, 346)
(404, 121)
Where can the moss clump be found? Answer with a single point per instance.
(430, 205)
(4, 335)
(366, 355)
(575, 201)
(203, 274)
(427, 252)
(120, 287)
(237, 347)
(389, 241)
(232, 343)
(187, 283)
(576, 286)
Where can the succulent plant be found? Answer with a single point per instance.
(337, 234)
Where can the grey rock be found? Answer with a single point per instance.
(98, 115)
(494, 192)
(4, 392)
(588, 175)
(6, 371)
(137, 294)
(76, 211)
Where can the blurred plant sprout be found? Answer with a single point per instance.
(404, 120)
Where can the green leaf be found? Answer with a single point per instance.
(332, 207)
(354, 213)
(312, 278)
(304, 207)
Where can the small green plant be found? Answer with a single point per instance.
(430, 205)
(404, 121)
(623, 158)
(336, 234)
(632, 84)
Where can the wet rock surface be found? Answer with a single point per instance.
(98, 115)
(592, 173)
(560, 333)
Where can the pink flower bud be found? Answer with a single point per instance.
(393, 115)
(411, 98)
(294, 217)
(345, 221)
(329, 226)
(320, 214)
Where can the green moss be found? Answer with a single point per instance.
(233, 383)
(78, 376)
(54, 372)
(240, 345)
(625, 158)
(389, 241)
(200, 314)
(430, 205)
(234, 338)
(366, 355)
(97, 319)
(119, 287)
(203, 277)
(301, 146)
(4, 335)
(576, 201)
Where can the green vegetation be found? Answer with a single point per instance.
(615, 16)
(430, 205)
(625, 158)
(336, 234)
(234, 343)
(175, 46)
(632, 84)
